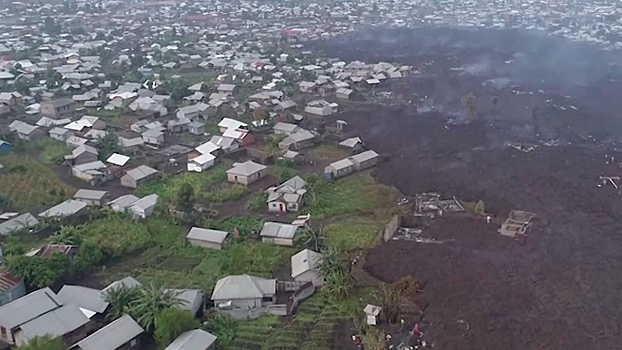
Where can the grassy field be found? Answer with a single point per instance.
(356, 194)
(354, 233)
(311, 329)
(25, 183)
(328, 152)
(209, 186)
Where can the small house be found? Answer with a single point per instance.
(289, 196)
(229, 89)
(192, 300)
(60, 134)
(130, 144)
(286, 105)
(339, 169)
(207, 238)
(281, 128)
(244, 292)
(371, 314)
(278, 233)
(343, 93)
(153, 137)
(201, 163)
(178, 125)
(28, 132)
(364, 160)
(298, 140)
(118, 159)
(11, 288)
(121, 334)
(22, 310)
(305, 267)
(226, 144)
(137, 176)
(56, 323)
(69, 207)
(25, 221)
(246, 173)
(196, 128)
(353, 144)
(122, 203)
(57, 108)
(144, 207)
(228, 123)
(197, 339)
(92, 197)
(94, 172)
(5, 147)
(319, 107)
(82, 155)
(90, 300)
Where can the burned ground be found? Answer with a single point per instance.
(560, 290)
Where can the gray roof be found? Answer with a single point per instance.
(341, 164)
(113, 335)
(59, 131)
(146, 202)
(286, 127)
(141, 172)
(351, 142)
(298, 136)
(304, 261)
(96, 165)
(84, 297)
(89, 194)
(243, 287)
(124, 201)
(364, 156)
(207, 235)
(197, 339)
(278, 230)
(246, 169)
(192, 299)
(56, 323)
(25, 128)
(152, 133)
(66, 208)
(28, 308)
(127, 282)
(17, 223)
(226, 87)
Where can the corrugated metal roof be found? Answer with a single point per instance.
(28, 308)
(55, 323)
(193, 340)
(113, 335)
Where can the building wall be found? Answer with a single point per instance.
(128, 181)
(238, 179)
(7, 336)
(241, 303)
(15, 292)
(278, 241)
(205, 244)
(89, 202)
(310, 276)
(84, 158)
(366, 164)
(276, 207)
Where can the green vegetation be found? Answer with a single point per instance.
(209, 186)
(171, 323)
(350, 234)
(27, 184)
(54, 151)
(45, 342)
(355, 194)
(244, 224)
(116, 234)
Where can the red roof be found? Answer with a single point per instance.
(50, 249)
(8, 280)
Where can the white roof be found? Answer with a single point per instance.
(203, 159)
(231, 124)
(207, 147)
(351, 142)
(342, 164)
(278, 230)
(304, 261)
(234, 133)
(118, 159)
(243, 287)
(207, 235)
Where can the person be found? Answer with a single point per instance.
(416, 331)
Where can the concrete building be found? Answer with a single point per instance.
(207, 238)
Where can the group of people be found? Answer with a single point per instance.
(415, 332)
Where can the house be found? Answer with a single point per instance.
(196, 128)
(371, 314)
(90, 301)
(306, 86)
(122, 203)
(343, 93)
(141, 174)
(24, 310)
(298, 140)
(118, 159)
(126, 282)
(192, 300)
(122, 334)
(285, 106)
(178, 125)
(11, 288)
(144, 207)
(153, 137)
(92, 197)
(55, 323)
(243, 137)
(130, 144)
(201, 163)
(281, 128)
(228, 123)
(354, 144)
(64, 249)
(339, 169)
(57, 108)
(60, 134)
(278, 233)
(28, 132)
(305, 267)
(9, 98)
(69, 207)
(82, 155)
(289, 196)
(94, 172)
(319, 107)
(226, 144)
(192, 112)
(25, 221)
(207, 147)
(244, 292)
(95, 134)
(364, 160)
(246, 173)
(206, 238)
(5, 147)
(227, 88)
(197, 339)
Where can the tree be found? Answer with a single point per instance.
(337, 278)
(480, 208)
(222, 326)
(52, 78)
(120, 300)
(151, 302)
(390, 300)
(107, 145)
(67, 234)
(46, 342)
(186, 199)
(260, 114)
(40, 272)
(313, 237)
(171, 323)
(469, 102)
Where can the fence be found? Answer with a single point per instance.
(306, 290)
(243, 314)
(391, 228)
(289, 286)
